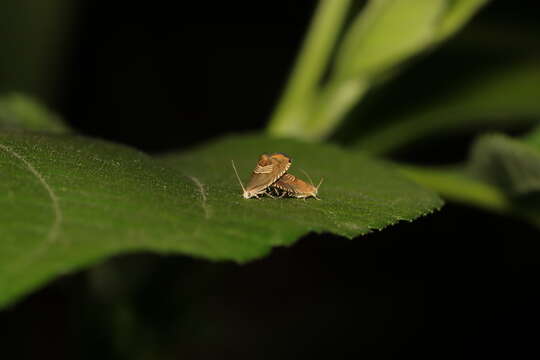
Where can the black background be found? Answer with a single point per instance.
(460, 283)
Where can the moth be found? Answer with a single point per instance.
(292, 186)
(270, 168)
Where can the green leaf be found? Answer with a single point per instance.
(21, 112)
(457, 14)
(533, 138)
(388, 32)
(502, 176)
(509, 164)
(297, 98)
(383, 36)
(35, 42)
(71, 201)
(385, 33)
(498, 97)
(455, 185)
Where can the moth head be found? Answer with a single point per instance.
(281, 157)
(264, 158)
(249, 194)
(316, 188)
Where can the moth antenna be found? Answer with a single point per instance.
(309, 177)
(320, 182)
(238, 176)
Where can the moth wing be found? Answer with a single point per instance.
(269, 168)
(281, 163)
(260, 181)
(286, 183)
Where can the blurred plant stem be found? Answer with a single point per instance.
(383, 35)
(452, 184)
(294, 109)
(500, 96)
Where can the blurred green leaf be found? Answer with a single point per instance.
(71, 201)
(21, 112)
(381, 37)
(458, 185)
(34, 37)
(297, 99)
(503, 96)
(507, 163)
(533, 138)
(502, 175)
(387, 32)
(454, 184)
(457, 14)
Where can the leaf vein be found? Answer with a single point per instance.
(58, 217)
(204, 204)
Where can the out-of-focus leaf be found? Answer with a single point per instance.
(502, 175)
(533, 138)
(21, 112)
(390, 31)
(501, 97)
(70, 201)
(455, 185)
(510, 164)
(301, 91)
(385, 34)
(33, 37)
(382, 36)
(457, 14)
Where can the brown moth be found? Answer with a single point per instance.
(292, 186)
(270, 167)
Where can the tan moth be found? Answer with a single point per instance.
(270, 168)
(292, 186)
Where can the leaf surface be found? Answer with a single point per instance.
(71, 201)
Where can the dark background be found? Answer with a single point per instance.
(460, 283)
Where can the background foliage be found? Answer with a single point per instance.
(453, 113)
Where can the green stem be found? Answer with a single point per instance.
(292, 112)
(335, 100)
(455, 186)
(387, 138)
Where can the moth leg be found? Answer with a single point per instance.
(278, 193)
(268, 193)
